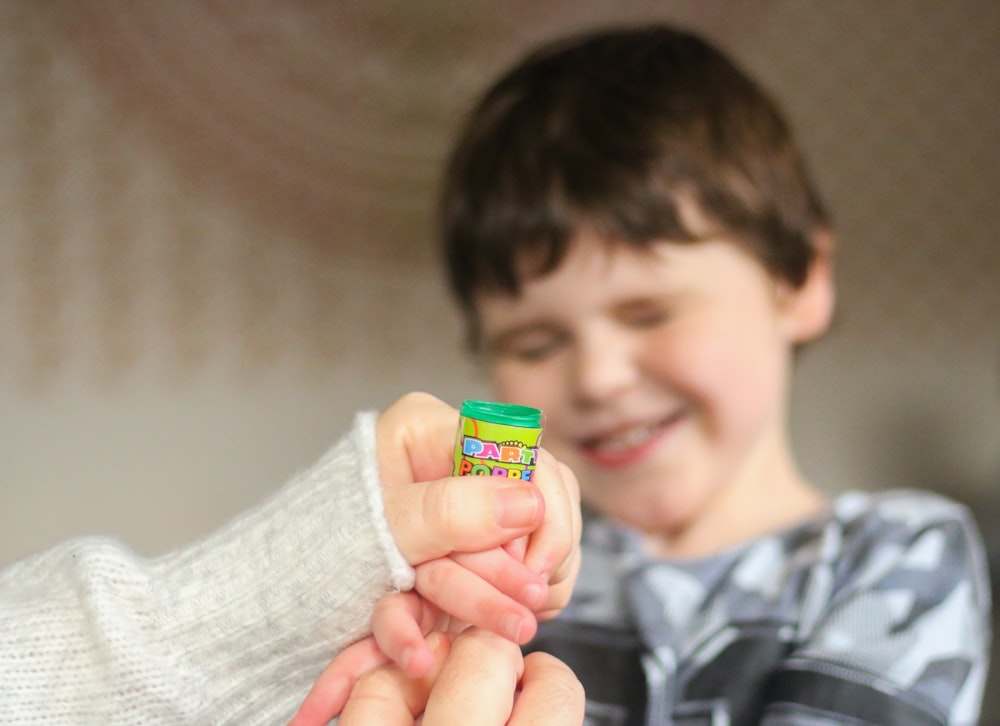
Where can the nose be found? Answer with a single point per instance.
(605, 365)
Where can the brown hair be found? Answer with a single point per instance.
(613, 129)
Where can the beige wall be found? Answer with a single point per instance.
(215, 240)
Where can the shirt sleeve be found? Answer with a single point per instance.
(233, 629)
(904, 634)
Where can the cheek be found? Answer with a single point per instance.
(743, 389)
(727, 367)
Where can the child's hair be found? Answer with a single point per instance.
(612, 131)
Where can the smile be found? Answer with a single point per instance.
(627, 445)
(627, 439)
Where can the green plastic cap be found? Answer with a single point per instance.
(509, 414)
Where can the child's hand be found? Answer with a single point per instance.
(495, 553)
(453, 530)
(479, 674)
(415, 438)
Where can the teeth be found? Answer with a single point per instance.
(625, 439)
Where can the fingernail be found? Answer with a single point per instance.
(516, 506)
(512, 628)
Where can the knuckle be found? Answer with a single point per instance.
(432, 577)
(377, 692)
(563, 690)
(566, 692)
(414, 399)
(442, 509)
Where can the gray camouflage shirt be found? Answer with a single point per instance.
(875, 613)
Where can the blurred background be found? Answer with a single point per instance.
(216, 239)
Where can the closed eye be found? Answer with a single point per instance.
(528, 346)
(644, 314)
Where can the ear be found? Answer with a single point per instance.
(808, 310)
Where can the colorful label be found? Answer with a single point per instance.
(483, 448)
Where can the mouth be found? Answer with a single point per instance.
(627, 444)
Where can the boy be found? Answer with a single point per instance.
(633, 236)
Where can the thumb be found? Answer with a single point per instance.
(460, 514)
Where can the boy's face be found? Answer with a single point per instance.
(662, 374)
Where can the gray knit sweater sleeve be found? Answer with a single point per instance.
(231, 630)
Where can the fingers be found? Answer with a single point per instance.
(466, 595)
(443, 514)
(388, 697)
(559, 593)
(494, 591)
(552, 546)
(551, 695)
(459, 585)
(507, 574)
(415, 438)
(399, 623)
(479, 678)
(460, 514)
(333, 687)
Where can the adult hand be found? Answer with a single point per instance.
(480, 674)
